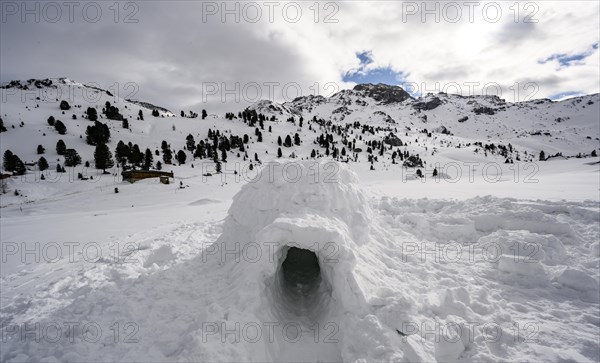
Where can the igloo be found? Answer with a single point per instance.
(298, 229)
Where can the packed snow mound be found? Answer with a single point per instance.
(290, 188)
(305, 223)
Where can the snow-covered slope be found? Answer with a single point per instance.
(344, 255)
(484, 279)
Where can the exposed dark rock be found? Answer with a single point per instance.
(443, 130)
(382, 93)
(428, 105)
(484, 110)
(148, 105)
(392, 140)
(413, 161)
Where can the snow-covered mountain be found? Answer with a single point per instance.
(569, 127)
(177, 268)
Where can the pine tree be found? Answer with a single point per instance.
(199, 152)
(64, 105)
(2, 127)
(148, 159)
(164, 145)
(190, 142)
(72, 158)
(224, 155)
(279, 140)
(60, 127)
(297, 139)
(8, 161)
(125, 123)
(122, 153)
(181, 157)
(40, 150)
(99, 133)
(419, 173)
(218, 167)
(204, 114)
(92, 114)
(61, 147)
(42, 164)
(141, 115)
(167, 156)
(158, 165)
(136, 156)
(435, 172)
(542, 155)
(103, 157)
(279, 153)
(51, 120)
(19, 166)
(112, 112)
(155, 113)
(594, 154)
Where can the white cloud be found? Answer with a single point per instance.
(173, 55)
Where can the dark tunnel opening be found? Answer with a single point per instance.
(300, 289)
(300, 270)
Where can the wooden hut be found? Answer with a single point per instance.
(134, 175)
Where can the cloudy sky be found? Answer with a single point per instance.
(191, 55)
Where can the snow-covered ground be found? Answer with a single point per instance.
(485, 262)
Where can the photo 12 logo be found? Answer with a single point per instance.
(72, 332)
(271, 11)
(467, 332)
(471, 11)
(516, 92)
(266, 331)
(69, 11)
(70, 252)
(290, 172)
(253, 252)
(255, 91)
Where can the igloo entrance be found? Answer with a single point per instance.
(301, 271)
(301, 289)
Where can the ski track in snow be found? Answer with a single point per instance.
(545, 308)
